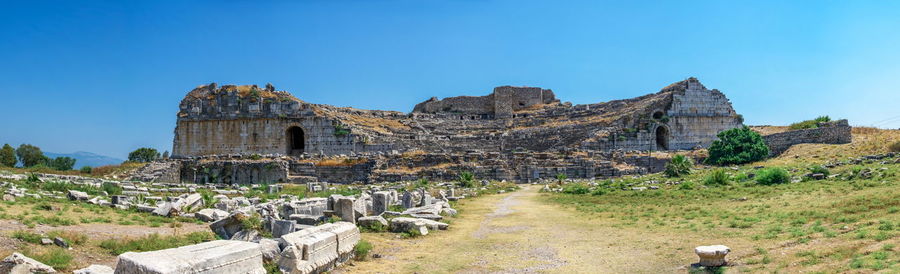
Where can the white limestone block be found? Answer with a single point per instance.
(225, 257)
(712, 255)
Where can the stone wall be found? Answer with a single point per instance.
(233, 171)
(697, 115)
(502, 102)
(835, 132)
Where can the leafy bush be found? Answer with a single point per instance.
(111, 188)
(576, 188)
(561, 177)
(30, 155)
(466, 179)
(895, 147)
(61, 163)
(7, 156)
(814, 123)
(773, 176)
(819, 169)
(678, 166)
(599, 191)
(143, 155)
(86, 169)
(737, 146)
(361, 250)
(717, 177)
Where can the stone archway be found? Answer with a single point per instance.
(662, 138)
(296, 141)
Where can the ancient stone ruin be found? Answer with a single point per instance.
(246, 134)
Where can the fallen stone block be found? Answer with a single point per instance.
(207, 258)
(228, 227)
(75, 195)
(372, 221)
(211, 214)
(271, 252)
(712, 255)
(405, 224)
(427, 216)
(311, 253)
(95, 269)
(18, 263)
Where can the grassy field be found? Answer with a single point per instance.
(849, 222)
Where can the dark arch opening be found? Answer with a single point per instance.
(662, 138)
(658, 115)
(296, 141)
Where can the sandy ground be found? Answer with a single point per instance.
(518, 233)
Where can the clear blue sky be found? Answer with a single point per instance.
(107, 76)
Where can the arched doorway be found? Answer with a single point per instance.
(662, 138)
(296, 141)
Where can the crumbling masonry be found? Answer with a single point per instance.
(247, 134)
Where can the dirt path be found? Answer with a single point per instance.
(518, 233)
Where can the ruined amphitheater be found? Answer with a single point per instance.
(246, 134)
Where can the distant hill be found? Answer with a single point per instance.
(83, 158)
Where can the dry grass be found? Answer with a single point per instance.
(866, 141)
(768, 130)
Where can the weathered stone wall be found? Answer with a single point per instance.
(502, 102)
(697, 114)
(233, 171)
(247, 120)
(836, 132)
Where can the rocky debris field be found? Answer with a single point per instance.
(307, 228)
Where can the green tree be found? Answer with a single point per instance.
(62, 163)
(165, 155)
(7, 156)
(143, 155)
(30, 155)
(737, 146)
(86, 169)
(678, 166)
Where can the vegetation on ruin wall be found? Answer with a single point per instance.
(814, 123)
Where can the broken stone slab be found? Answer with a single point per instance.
(60, 242)
(435, 225)
(166, 209)
(427, 216)
(319, 248)
(46, 241)
(282, 227)
(405, 224)
(448, 212)
(18, 263)
(193, 201)
(712, 255)
(372, 221)
(380, 202)
(247, 235)
(95, 269)
(210, 214)
(75, 195)
(228, 227)
(271, 252)
(304, 219)
(220, 256)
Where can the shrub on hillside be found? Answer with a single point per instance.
(678, 166)
(7, 156)
(576, 188)
(737, 146)
(143, 155)
(62, 163)
(773, 176)
(819, 169)
(717, 177)
(814, 123)
(466, 179)
(30, 155)
(86, 169)
(361, 250)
